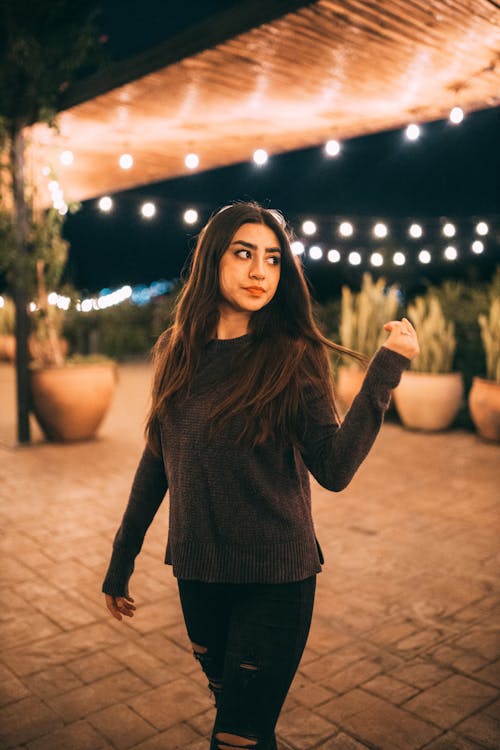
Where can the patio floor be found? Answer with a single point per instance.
(404, 649)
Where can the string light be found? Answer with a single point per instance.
(477, 247)
(67, 158)
(415, 231)
(126, 161)
(148, 210)
(260, 156)
(315, 252)
(456, 115)
(424, 256)
(450, 253)
(297, 247)
(412, 132)
(380, 230)
(354, 258)
(332, 148)
(190, 216)
(192, 161)
(309, 227)
(105, 204)
(346, 229)
(333, 256)
(399, 259)
(449, 230)
(482, 228)
(376, 259)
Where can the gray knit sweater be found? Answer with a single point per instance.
(243, 515)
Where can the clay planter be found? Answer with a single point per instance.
(70, 402)
(348, 384)
(429, 400)
(7, 347)
(484, 407)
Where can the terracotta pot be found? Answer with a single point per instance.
(429, 400)
(348, 384)
(70, 402)
(7, 347)
(484, 407)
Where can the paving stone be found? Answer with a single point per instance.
(484, 640)
(25, 720)
(143, 664)
(458, 658)
(77, 736)
(390, 689)
(52, 681)
(11, 688)
(26, 629)
(483, 729)
(391, 633)
(307, 693)
(121, 726)
(378, 722)
(353, 675)
(341, 741)
(203, 722)
(95, 666)
(82, 702)
(452, 741)
(421, 674)
(332, 663)
(450, 701)
(490, 674)
(170, 704)
(303, 728)
(178, 736)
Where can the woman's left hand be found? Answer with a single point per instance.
(402, 338)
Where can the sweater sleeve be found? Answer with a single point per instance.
(148, 490)
(333, 452)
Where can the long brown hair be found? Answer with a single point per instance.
(284, 352)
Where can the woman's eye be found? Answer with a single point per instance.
(275, 260)
(243, 253)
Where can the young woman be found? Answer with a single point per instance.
(242, 409)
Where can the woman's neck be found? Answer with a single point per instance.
(232, 326)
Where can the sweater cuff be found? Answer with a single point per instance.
(118, 574)
(386, 368)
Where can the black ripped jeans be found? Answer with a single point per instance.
(250, 638)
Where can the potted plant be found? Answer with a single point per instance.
(70, 396)
(362, 317)
(429, 395)
(484, 396)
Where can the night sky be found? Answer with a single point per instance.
(450, 171)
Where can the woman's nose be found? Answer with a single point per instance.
(258, 269)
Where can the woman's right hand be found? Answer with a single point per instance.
(120, 605)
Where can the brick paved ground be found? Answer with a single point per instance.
(404, 648)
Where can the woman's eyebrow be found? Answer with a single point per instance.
(254, 247)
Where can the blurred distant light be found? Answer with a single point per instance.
(260, 156)
(450, 253)
(424, 256)
(190, 216)
(477, 247)
(333, 256)
(376, 259)
(354, 258)
(192, 161)
(415, 231)
(346, 229)
(53, 186)
(332, 148)
(105, 203)
(380, 230)
(46, 171)
(456, 115)
(482, 228)
(309, 227)
(148, 210)
(63, 208)
(126, 161)
(315, 252)
(412, 132)
(297, 247)
(67, 158)
(2, 301)
(449, 230)
(399, 259)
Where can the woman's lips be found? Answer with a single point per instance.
(254, 290)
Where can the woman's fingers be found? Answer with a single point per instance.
(120, 605)
(402, 337)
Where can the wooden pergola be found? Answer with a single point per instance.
(278, 75)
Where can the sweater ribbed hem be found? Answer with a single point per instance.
(266, 563)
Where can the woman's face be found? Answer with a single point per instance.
(249, 270)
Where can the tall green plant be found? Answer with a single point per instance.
(436, 335)
(490, 336)
(363, 314)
